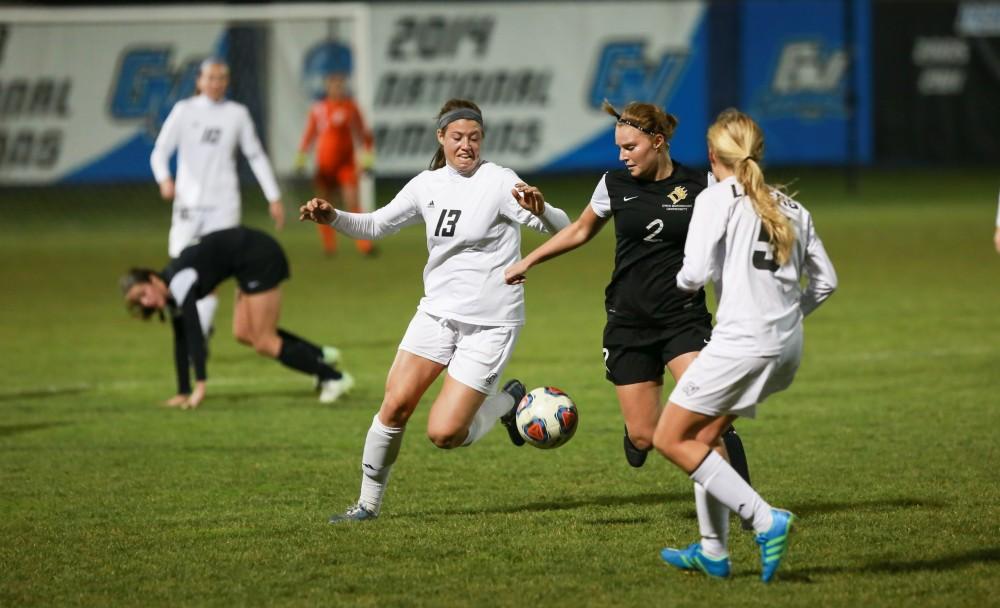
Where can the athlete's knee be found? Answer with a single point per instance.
(396, 409)
(448, 437)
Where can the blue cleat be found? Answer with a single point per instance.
(354, 514)
(692, 558)
(774, 543)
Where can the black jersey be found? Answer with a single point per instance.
(651, 223)
(253, 257)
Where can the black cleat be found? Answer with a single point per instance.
(635, 457)
(515, 389)
(738, 460)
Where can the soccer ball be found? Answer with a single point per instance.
(546, 417)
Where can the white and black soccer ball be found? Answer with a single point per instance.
(546, 417)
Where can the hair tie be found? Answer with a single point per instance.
(458, 114)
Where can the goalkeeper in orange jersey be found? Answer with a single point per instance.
(335, 125)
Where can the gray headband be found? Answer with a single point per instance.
(459, 114)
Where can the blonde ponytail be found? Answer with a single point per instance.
(738, 143)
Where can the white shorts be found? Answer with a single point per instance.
(720, 385)
(476, 355)
(191, 223)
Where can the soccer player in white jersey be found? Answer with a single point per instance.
(469, 319)
(205, 130)
(756, 244)
(651, 326)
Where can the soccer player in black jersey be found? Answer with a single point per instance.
(650, 323)
(259, 265)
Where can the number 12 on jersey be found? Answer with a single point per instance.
(446, 222)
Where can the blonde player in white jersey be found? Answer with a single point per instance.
(469, 318)
(756, 244)
(205, 130)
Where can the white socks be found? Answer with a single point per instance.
(489, 412)
(206, 312)
(722, 481)
(381, 448)
(713, 523)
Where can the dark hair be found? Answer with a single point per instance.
(138, 276)
(452, 104)
(646, 117)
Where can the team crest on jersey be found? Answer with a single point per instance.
(679, 193)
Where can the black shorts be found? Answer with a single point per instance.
(639, 354)
(263, 265)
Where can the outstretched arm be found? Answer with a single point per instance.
(567, 239)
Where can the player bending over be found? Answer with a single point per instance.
(259, 265)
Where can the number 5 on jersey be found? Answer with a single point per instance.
(446, 222)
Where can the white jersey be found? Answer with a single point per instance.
(473, 235)
(205, 134)
(761, 305)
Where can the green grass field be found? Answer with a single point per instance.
(886, 445)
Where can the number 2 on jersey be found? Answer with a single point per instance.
(446, 222)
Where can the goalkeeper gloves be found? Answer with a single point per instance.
(367, 160)
(300, 162)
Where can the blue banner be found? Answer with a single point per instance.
(806, 78)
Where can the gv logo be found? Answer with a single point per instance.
(803, 69)
(146, 87)
(624, 74)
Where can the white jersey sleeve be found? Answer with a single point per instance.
(704, 248)
(600, 201)
(998, 212)
(257, 157)
(166, 144)
(403, 210)
(818, 268)
(552, 219)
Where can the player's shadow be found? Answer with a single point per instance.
(43, 393)
(616, 500)
(882, 504)
(951, 561)
(7, 430)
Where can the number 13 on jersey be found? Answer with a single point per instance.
(446, 222)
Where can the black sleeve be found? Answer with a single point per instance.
(180, 356)
(193, 337)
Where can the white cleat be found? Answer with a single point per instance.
(331, 390)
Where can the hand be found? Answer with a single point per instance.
(515, 273)
(197, 396)
(167, 189)
(277, 210)
(317, 210)
(176, 401)
(300, 162)
(529, 197)
(996, 239)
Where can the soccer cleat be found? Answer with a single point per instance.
(693, 558)
(354, 514)
(635, 457)
(774, 543)
(515, 389)
(331, 390)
